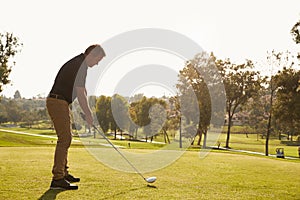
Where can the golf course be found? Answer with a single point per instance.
(26, 162)
(150, 100)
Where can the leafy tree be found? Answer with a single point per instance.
(143, 117)
(173, 118)
(136, 97)
(158, 116)
(17, 95)
(241, 83)
(133, 128)
(295, 31)
(42, 113)
(257, 108)
(13, 111)
(30, 117)
(287, 103)
(120, 113)
(194, 96)
(201, 88)
(9, 47)
(275, 60)
(103, 112)
(3, 113)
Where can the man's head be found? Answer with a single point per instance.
(94, 54)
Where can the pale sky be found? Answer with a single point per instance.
(55, 31)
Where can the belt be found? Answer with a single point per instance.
(56, 96)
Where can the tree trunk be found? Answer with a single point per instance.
(136, 133)
(292, 131)
(269, 122)
(268, 135)
(228, 131)
(205, 139)
(166, 136)
(200, 137)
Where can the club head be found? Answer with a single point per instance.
(150, 179)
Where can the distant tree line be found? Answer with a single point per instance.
(246, 91)
(26, 112)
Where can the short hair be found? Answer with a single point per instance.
(95, 50)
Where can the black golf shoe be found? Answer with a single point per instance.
(71, 178)
(62, 184)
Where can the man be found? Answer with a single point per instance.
(68, 85)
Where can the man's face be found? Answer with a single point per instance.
(92, 60)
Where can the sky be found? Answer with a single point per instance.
(54, 31)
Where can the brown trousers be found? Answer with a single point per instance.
(59, 112)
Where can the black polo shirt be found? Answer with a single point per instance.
(72, 74)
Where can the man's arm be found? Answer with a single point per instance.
(83, 102)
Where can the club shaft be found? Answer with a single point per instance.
(123, 156)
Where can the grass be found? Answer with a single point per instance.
(34, 130)
(26, 161)
(252, 143)
(237, 141)
(9, 139)
(26, 174)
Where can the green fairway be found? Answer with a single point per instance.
(26, 162)
(256, 144)
(26, 174)
(9, 139)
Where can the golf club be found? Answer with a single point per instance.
(148, 180)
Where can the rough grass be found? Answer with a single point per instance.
(26, 173)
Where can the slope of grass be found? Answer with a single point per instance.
(253, 143)
(11, 139)
(26, 173)
(33, 130)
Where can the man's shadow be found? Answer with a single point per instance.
(50, 194)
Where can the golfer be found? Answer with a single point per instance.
(68, 85)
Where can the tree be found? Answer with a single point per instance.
(3, 114)
(241, 83)
(158, 117)
(144, 114)
(13, 111)
(133, 128)
(120, 113)
(30, 117)
(103, 112)
(9, 47)
(287, 103)
(173, 117)
(202, 98)
(257, 107)
(276, 60)
(17, 95)
(295, 31)
(194, 97)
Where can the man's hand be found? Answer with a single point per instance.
(83, 102)
(83, 116)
